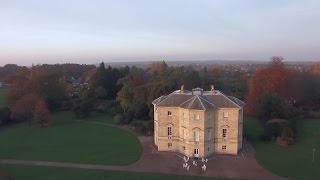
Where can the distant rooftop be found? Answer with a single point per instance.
(198, 99)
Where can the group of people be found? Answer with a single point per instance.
(194, 163)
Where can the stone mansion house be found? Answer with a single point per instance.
(198, 123)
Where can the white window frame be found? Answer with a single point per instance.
(169, 129)
(183, 134)
(169, 113)
(196, 151)
(196, 116)
(196, 136)
(169, 145)
(225, 114)
(224, 133)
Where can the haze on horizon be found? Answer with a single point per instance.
(78, 31)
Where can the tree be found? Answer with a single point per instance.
(107, 79)
(272, 106)
(46, 85)
(23, 108)
(191, 79)
(276, 61)
(157, 67)
(125, 95)
(100, 92)
(17, 90)
(273, 78)
(83, 105)
(41, 114)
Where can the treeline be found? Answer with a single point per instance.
(278, 96)
(273, 92)
(10, 72)
(35, 92)
(140, 87)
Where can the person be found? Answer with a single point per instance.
(204, 167)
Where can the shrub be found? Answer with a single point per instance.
(287, 135)
(314, 114)
(145, 127)
(108, 106)
(4, 115)
(82, 109)
(23, 109)
(280, 131)
(118, 119)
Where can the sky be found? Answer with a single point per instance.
(92, 31)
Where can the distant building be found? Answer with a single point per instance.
(198, 123)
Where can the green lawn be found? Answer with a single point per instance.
(100, 117)
(3, 94)
(70, 141)
(294, 161)
(49, 173)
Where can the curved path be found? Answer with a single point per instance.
(243, 166)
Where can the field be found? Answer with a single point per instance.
(3, 93)
(70, 141)
(292, 162)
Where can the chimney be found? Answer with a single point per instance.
(182, 89)
(212, 89)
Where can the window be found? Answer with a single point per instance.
(183, 133)
(184, 115)
(169, 113)
(225, 114)
(208, 149)
(169, 131)
(169, 145)
(224, 148)
(209, 134)
(196, 116)
(196, 135)
(196, 151)
(224, 133)
(183, 148)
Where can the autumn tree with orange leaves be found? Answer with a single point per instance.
(23, 108)
(273, 78)
(41, 114)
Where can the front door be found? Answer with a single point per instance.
(196, 152)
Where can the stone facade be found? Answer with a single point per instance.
(206, 125)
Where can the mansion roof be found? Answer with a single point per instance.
(199, 100)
